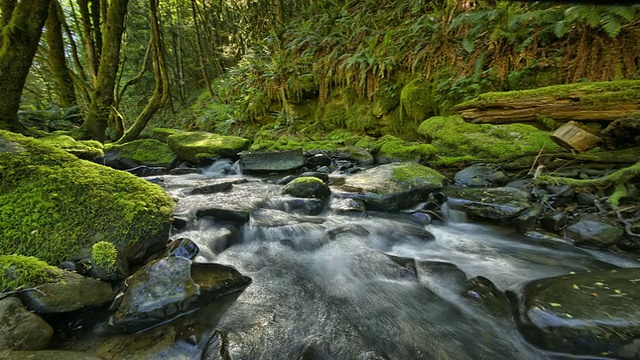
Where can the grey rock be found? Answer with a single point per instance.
(299, 206)
(272, 160)
(479, 175)
(171, 287)
(591, 230)
(391, 187)
(21, 329)
(501, 204)
(554, 222)
(71, 293)
(216, 185)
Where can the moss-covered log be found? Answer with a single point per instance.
(598, 101)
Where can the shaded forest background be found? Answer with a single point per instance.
(114, 67)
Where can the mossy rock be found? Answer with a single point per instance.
(197, 146)
(390, 149)
(55, 206)
(83, 149)
(161, 134)
(148, 152)
(307, 187)
(453, 137)
(17, 271)
(416, 98)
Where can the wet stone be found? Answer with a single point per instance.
(591, 230)
(233, 215)
(493, 203)
(320, 175)
(554, 222)
(300, 206)
(592, 314)
(480, 175)
(182, 247)
(318, 160)
(483, 291)
(272, 160)
(21, 329)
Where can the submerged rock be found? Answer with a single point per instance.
(591, 230)
(483, 291)
(504, 204)
(593, 314)
(172, 287)
(21, 329)
(299, 206)
(198, 147)
(216, 185)
(393, 186)
(272, 160)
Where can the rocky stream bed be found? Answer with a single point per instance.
(352, 261)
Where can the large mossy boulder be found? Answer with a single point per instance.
(55, 206)
(393, 186)
(389, 149)
(452, 136)
(83, 149)
(200, 146)
(147, 152)
(307, 187)
(593, 314)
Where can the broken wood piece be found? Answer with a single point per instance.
(572, 135)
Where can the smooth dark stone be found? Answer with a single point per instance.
(483, 291)
(285, 180)
(319, 160)
(216, 185)
(479, 175)
(179, 223)
(591, 230)
(301, 206)
(591, 314)
(239, 216)
(554, 222)
(185, 171)
(584, 198)
(494, 203)
(268, 161)
(144, 171)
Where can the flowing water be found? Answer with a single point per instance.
(356, 287)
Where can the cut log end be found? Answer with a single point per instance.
(573, 136)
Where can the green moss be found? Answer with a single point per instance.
(187, 145)
(392, 149)
(52, 204)
(273, 139)
(145, 151)
(595, 93)
(84, 149)
(18, 271)
(416, 99)
(161, 134)
(452, 136)
(306, 180)
(104, 255)
(413, 174)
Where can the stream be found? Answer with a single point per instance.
(362, 286)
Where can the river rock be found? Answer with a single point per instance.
(71, 293)
(354, 154)
(264, 161)
(307, 187)
(318, 160)
(483, 291)
(501, 204)
(21, 329)
(47, 355)
(182, 247)
(479, 175)
(172, 287)
(591, 230)
(320, 175)
(199, 147)
(593, 314)
(216, 185)
(347, 206)
(393, 186)
(555, 221)
(299, 206)
(224, 214)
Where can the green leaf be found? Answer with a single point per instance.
(555, 304)
(468, 45)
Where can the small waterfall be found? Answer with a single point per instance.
(451, 215)
(223, 167)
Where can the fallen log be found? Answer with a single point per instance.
(598, 101)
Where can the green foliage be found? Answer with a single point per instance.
(104, 255)
(52, 204)
(18, 271)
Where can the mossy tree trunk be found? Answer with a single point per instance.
(22, 23)
(57, 57)
(98, 116)
(161, 90)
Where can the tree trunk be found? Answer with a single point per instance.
(599, 101)
(89, 39)
(161, 90)
(23, 22)
(203, 64)
(98, 116)
(57, 58)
